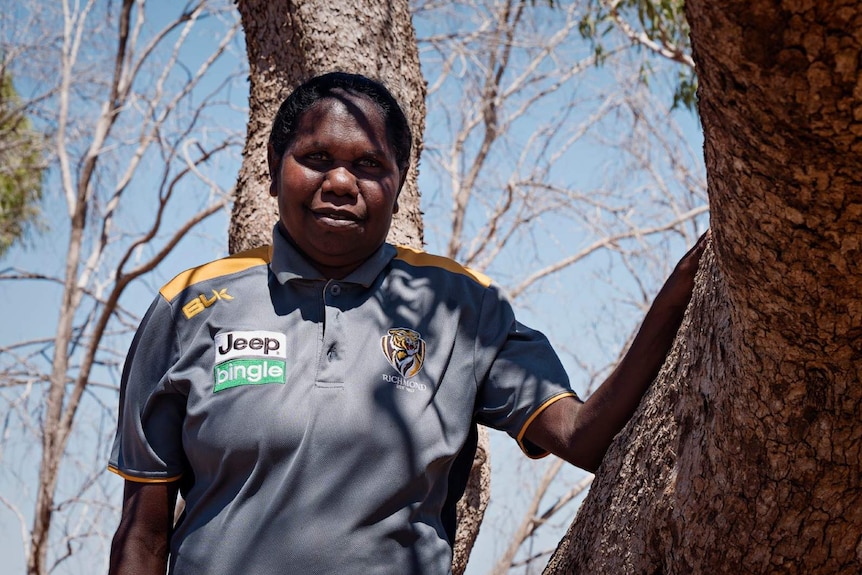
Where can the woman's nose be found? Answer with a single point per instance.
(341, 181)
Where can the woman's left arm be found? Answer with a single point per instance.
(581, 432)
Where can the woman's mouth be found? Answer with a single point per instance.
(337, 218)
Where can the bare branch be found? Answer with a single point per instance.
(603, 243)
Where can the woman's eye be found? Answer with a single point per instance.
(368, 163)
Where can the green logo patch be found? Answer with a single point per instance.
(248, 372)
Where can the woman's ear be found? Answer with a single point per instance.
(274, 164)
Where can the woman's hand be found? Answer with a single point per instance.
(680, 283)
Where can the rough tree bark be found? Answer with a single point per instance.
(745, 456)
(290, 41)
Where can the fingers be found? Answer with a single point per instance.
(691, 259)
(701, 243)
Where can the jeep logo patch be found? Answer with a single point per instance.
(249, 358)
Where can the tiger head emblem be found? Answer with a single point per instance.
(404, 349)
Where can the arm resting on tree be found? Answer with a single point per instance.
(581, 432)
(140, 545)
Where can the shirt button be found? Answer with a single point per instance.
(335, 289)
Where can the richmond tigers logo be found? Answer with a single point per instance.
(405, 350)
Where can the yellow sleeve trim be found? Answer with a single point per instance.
(419, 258)
(225, 266)
(533, 416)
(136, 479)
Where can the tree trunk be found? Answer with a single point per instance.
(288, 42)
(745, 455)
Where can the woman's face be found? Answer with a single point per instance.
(338, 183)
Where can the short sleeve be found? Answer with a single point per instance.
(148, 444)
(520, 375)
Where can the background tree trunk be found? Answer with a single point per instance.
(288, 42)
(745, 454)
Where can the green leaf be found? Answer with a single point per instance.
(21, 169)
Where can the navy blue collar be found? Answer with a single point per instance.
(288, 263)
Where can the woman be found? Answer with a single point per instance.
(309, 399)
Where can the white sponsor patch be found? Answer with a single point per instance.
(264, 344)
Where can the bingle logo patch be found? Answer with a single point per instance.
(249, 358)
(405, 350)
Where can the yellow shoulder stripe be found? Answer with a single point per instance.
(421, 259)
(520, 439)
(113, 469)
(231, 264)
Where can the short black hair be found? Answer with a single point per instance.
(324, 86)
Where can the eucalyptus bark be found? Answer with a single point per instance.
(745, 456)
(289, 42)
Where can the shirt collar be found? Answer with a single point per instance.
(289, 264)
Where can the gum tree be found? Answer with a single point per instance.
(745, 455)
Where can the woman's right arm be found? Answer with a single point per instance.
(141, 543)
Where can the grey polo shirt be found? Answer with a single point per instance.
(313, 423)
